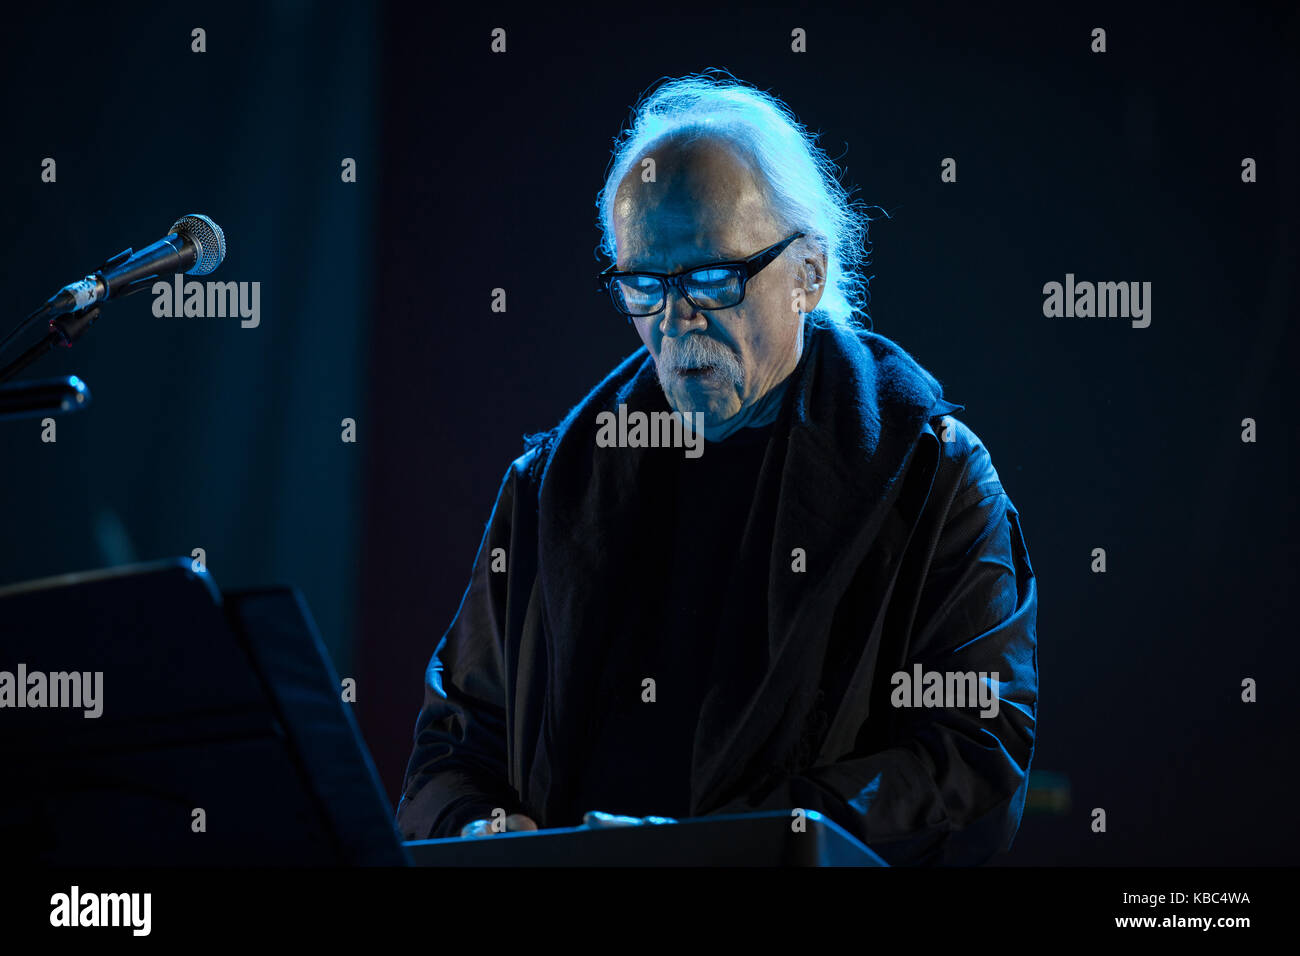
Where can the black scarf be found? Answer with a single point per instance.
(856, 405)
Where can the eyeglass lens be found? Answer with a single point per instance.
(712, 287)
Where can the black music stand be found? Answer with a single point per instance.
(224, 703)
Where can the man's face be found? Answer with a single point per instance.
(706, 205)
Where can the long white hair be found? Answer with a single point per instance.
(801, 182)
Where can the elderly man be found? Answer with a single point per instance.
(827, 604)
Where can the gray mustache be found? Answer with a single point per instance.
(696, 351)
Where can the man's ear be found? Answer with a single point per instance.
(812, 275)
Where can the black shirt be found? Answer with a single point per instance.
(640, 757)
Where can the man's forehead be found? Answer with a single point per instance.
(669, 240)
(656, 228)
(702, 199)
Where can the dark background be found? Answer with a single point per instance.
(479, 171)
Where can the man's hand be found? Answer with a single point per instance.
(597, 820)
(483, 827)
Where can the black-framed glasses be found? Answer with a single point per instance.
(714, 285)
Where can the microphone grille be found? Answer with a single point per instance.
(207, 238)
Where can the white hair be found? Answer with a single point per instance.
(800, 181)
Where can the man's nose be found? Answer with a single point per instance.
(679, 316)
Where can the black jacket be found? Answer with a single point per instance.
(914, 555)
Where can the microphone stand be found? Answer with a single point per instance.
(202, 248)
(65, 395)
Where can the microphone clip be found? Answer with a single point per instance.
(73, 326)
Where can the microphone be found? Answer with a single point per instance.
(195, 245)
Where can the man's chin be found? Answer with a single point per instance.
(715, 412)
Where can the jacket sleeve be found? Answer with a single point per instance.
(949, 785)
(457, 771)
